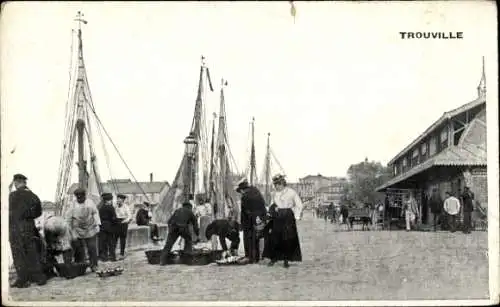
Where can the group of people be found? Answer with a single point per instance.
(274, 222)
(84, 229)
(445, 213)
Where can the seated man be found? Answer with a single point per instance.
(225, 229)
(57, 241)
(143, 218)
(178, 226)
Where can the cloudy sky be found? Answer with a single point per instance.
(333, 87)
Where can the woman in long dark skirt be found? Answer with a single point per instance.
(282, 239)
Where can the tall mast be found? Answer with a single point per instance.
(212, 152)
(80, 123)
(252, 154)
(222, 154)
(268, 169)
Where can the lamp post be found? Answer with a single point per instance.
(190, 143)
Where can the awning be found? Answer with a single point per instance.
(468, 155)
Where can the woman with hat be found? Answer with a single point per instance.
(283, 239)
(253, 212)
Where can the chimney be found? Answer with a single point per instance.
(150, 177)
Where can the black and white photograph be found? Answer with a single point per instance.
(253, 153)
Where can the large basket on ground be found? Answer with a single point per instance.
(201, 256)
(153, 257)
(71, 270)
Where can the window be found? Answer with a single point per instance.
(423, 151)
(432, 146)
(443, 139)
(395, 170)
(414, 157)
(404, 164)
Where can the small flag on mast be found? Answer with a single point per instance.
(293, 10)
(13, 150)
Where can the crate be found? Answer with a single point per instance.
(71, 270)
(153, 257)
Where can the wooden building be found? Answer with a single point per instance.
(449, 155)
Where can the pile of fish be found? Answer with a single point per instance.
(232, 260)
(109, 272)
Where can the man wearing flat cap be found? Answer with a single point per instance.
(253, 212)
(84, 221)
(107, 234)
(143, 218)
(24, 237)
(124, 217)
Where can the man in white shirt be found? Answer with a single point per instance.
(124, 217)
(452, 208)
(83, 220)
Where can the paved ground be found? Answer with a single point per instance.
(338, 265)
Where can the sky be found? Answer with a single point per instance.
(334, 86)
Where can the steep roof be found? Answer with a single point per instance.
(466, 155)
(129, 187)
(446, 116)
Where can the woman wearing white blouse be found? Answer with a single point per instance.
(283, 239)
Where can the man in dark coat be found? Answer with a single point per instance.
(468, 207)
(436, 204)
(24, 237)
(223, 228)
(143, 218)
(109, 221)
(178, 226)
(253, 212)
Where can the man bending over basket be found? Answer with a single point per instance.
(178, 226)
(225, 229)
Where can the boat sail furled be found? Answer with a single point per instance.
(223, 195)
(197, 183)
(81, 122)
(79, 108)
(269, 169)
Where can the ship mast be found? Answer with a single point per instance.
(268, 170)
(80, 123)
(252, 155)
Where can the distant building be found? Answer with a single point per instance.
(321, 187)
(449, 155)
(334, 192)
(135, 191)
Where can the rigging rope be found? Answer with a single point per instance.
(117, 151)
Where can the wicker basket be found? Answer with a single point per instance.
(154, 257)
(201, 257)
(71, 270)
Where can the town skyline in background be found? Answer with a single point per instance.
(302, 88)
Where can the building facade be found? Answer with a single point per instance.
(334, 192)
(136, 192)
(448, 156)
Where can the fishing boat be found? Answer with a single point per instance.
(271, 167)
(206, 171)
(82, 123)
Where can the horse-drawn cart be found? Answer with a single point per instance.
(360, 216)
